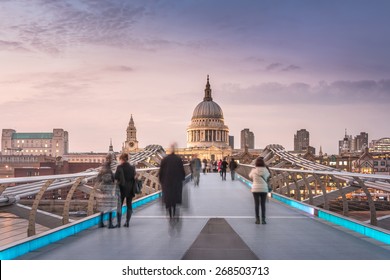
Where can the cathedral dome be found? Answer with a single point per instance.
(207, 109)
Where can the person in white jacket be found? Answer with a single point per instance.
(259, 176)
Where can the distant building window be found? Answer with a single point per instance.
(345, 163)
(375, 163)
(383, 163)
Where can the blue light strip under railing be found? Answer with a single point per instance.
(30, 244)
(367, 230)
(293, 203)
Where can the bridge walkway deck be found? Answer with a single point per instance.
(288, 234)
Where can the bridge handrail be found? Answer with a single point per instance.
(323, 172)
(61, 176)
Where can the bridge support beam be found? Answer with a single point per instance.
(91, 200)
(65, 212)
(342, 194)
(33, 213)
(2, 188)
(274, 180)
(281, 183)
(307, 184)
(297, 188)
(323, 188)
(373, 218)
(286, 182)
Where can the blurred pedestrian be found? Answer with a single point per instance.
(107, 198)
(232, 166)
(260, 175)
(125, 176)
(204, 165)
(195, 166)
(224, 166)
(171, 177)
(220, 167)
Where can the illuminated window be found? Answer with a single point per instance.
(345, 162)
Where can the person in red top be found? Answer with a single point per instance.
(219, 167)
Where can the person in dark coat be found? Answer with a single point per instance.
(171, 177)
(125, 176)
(224, 166)
(107, 198)
(232, 166)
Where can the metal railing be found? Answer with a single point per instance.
(60, 191)
(346, 193)
(32, 191)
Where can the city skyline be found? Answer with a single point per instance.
(86, 66)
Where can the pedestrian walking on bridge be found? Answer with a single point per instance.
(171, 177)
(260, 175)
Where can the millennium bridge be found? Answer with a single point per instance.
(314, 213)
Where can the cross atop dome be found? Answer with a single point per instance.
(207, 91)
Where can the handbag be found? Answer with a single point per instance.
(268, 183)
(138, 186)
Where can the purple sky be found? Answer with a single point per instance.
(275, 67)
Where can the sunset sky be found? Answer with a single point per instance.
(275, 67)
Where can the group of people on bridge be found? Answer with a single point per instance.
(206, 166)
(116, 188)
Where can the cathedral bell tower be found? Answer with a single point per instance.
(131, 144)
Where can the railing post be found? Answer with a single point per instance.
(65, 212)
(34, 208)
(2, 188)
(280, 182)
(91, 200)
(273, 180)
(323, 188)
(373, 219)
(343, 196)
(307, 184)
(287, 182)
(297, 188)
